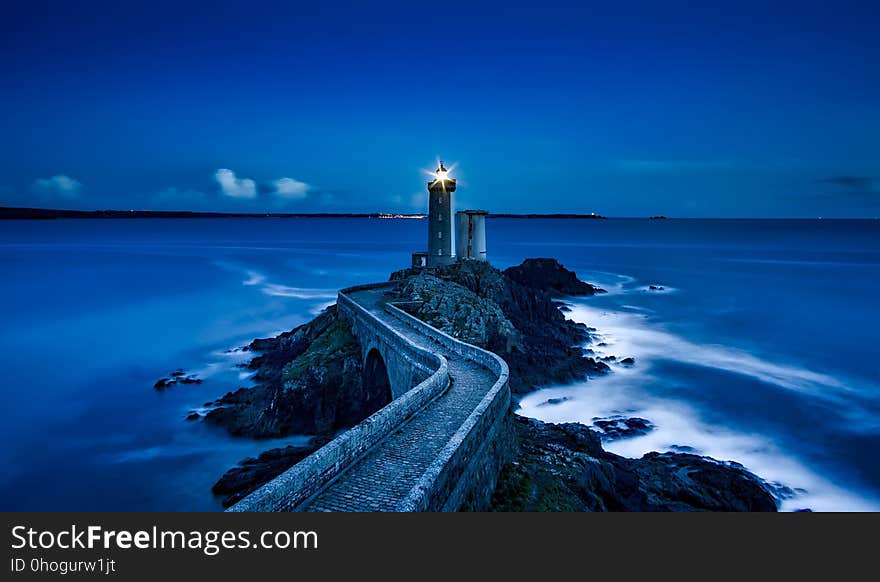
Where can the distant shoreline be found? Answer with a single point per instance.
(16, 213)
(13, 213)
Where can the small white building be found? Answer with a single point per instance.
(470, 234)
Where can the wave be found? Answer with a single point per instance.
(256, 279)
(626, 333)
(679, 428)
(633, 391)
(276, 290)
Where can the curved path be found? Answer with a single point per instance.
(384, 477)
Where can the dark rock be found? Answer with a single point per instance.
(308, 381)
(550, 275)
(475, 302)
(627, 361)
(562, 467)
(554, 401)
(655, 287)
(178, 376)
(193, 416)
(619, 427)
(251, 473)
(163, 383)
(685, 482)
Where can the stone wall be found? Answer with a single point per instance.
(291, 488)
(463, 476)
(407, 364)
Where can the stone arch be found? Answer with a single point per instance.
(376, 381)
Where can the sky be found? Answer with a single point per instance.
(697, 109)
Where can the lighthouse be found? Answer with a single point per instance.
(440, 218)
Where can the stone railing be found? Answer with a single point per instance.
(309, 476)
(449, 478)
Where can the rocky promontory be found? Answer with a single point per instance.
(309, 381)
(512, 313)
(549, 275)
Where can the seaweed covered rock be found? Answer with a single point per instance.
(475, 302)
(458, 311)
(562, 467)
(308, 381)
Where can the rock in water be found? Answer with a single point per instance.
(686, 482)
(178, 376)
(562, 467)
(163, 383)
(250, 473)
(550, 275)
(618, 427)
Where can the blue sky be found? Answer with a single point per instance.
(622, 108)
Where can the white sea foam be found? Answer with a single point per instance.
(254, 278)
(257, 279)
(612, 283)
(678, 425)
(321, 306)
(629, 334)
(276, 290)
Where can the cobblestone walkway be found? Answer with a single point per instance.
(387, 473)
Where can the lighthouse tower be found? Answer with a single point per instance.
(440, 218)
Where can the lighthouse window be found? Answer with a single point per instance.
(439, 217)
(440, 234)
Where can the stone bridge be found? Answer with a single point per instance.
(437, 446)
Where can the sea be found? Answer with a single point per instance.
(758, 344)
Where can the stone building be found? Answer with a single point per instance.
(471, 225)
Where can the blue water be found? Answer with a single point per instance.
(761, 348)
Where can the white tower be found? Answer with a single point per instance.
(470, 234)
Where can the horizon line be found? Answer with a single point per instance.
(37, 213)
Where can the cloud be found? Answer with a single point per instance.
(852, 182)
(59, 185)
(235, 187)
(291, 189)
